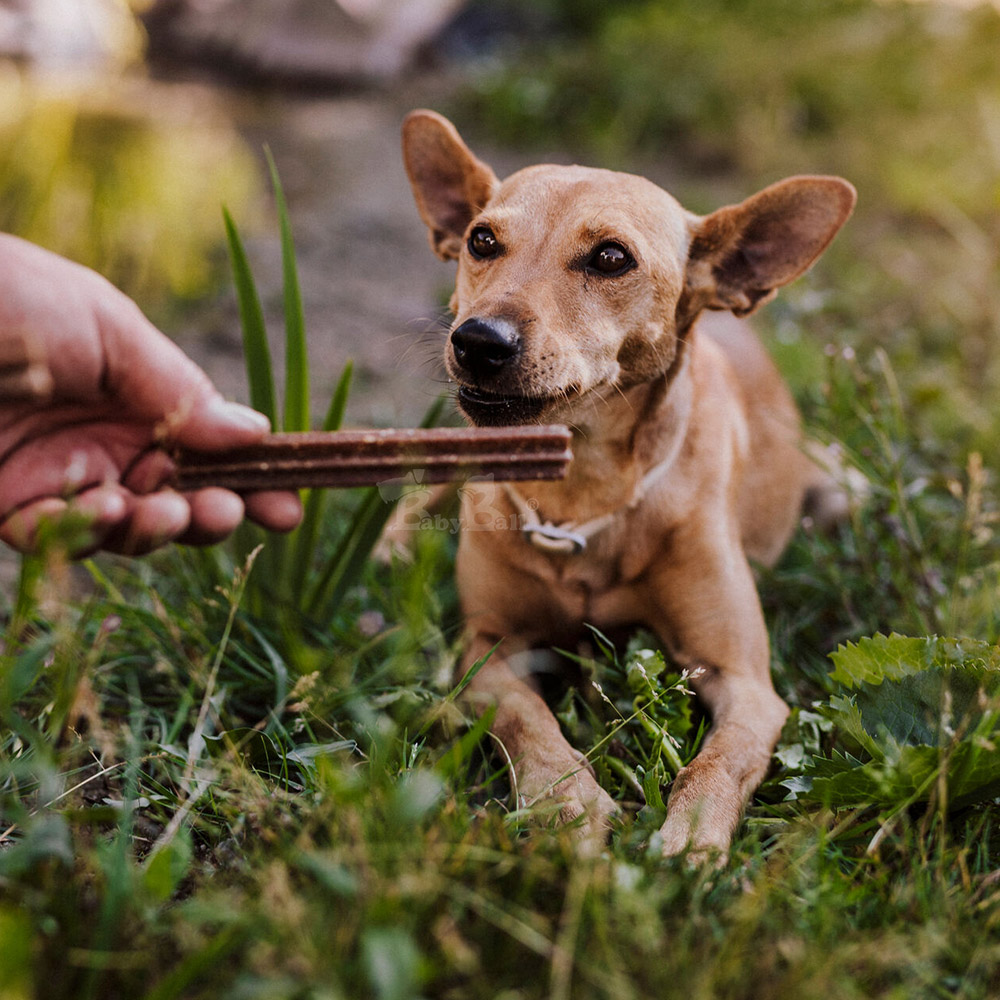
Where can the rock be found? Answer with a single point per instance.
(68, 34)
(317, 43)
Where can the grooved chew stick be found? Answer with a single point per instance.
(367, 458)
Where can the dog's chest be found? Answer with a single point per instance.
(602, 584)
(591, 569)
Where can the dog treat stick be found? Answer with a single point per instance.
(367, 458)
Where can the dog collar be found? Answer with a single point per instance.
(553, 538)
(566, 539)
(571, 539)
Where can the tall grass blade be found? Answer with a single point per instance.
(338, 403)
(176, 984)
(315, 502)
(470, 674)
(256, 350)
(31, 572)
(345, 566)
(296, 357)
(433, 415)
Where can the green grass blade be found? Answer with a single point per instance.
(338, 403)
(434, 411)
(194, 965)
(257, 361)
(347, 562)
(315, 502)
(470, 674)
(31, 572)
(296, 357)
(256, 350)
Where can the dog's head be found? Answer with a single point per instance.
(574, 282)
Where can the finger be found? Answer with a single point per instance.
(58, 453)
(103, 510)
(212, 423)
(274, 510)
(148, 471)
(158, 381)
(20, 529)
(79, 525)
(99, 346)
(153, 521)
(215, 514)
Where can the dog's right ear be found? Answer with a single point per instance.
(449, 183)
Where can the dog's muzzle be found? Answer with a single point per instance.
(485, 353)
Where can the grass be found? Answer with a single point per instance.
(187, 814)
(245, 773)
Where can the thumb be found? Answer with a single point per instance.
(212, 423)
(154, 380)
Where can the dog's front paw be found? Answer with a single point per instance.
(699, 847)
(701, 816)
(573, 792)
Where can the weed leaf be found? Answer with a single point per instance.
(918, 717)
(877, 658)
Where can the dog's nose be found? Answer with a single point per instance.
(482, 347)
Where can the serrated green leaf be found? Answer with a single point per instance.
(838, 763)
(972, 774)
(923, 713)
(846, 716)
(799, 787)
(913, 692)
(878, 658)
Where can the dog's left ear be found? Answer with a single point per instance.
(450, 184)
(740, 255)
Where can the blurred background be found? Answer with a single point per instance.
(125, 126)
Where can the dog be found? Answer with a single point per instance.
(577, 300)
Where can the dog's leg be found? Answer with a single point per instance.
(544, 765)
(709, 795)
(713, 620)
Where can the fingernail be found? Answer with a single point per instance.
(243, 417)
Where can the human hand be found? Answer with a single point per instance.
(119, 389)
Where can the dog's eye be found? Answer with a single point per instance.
(483, 243)
(610, 259)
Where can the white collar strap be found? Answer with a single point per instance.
(570, 538)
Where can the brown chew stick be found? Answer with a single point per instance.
(367, 458)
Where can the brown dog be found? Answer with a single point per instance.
(576, 300)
